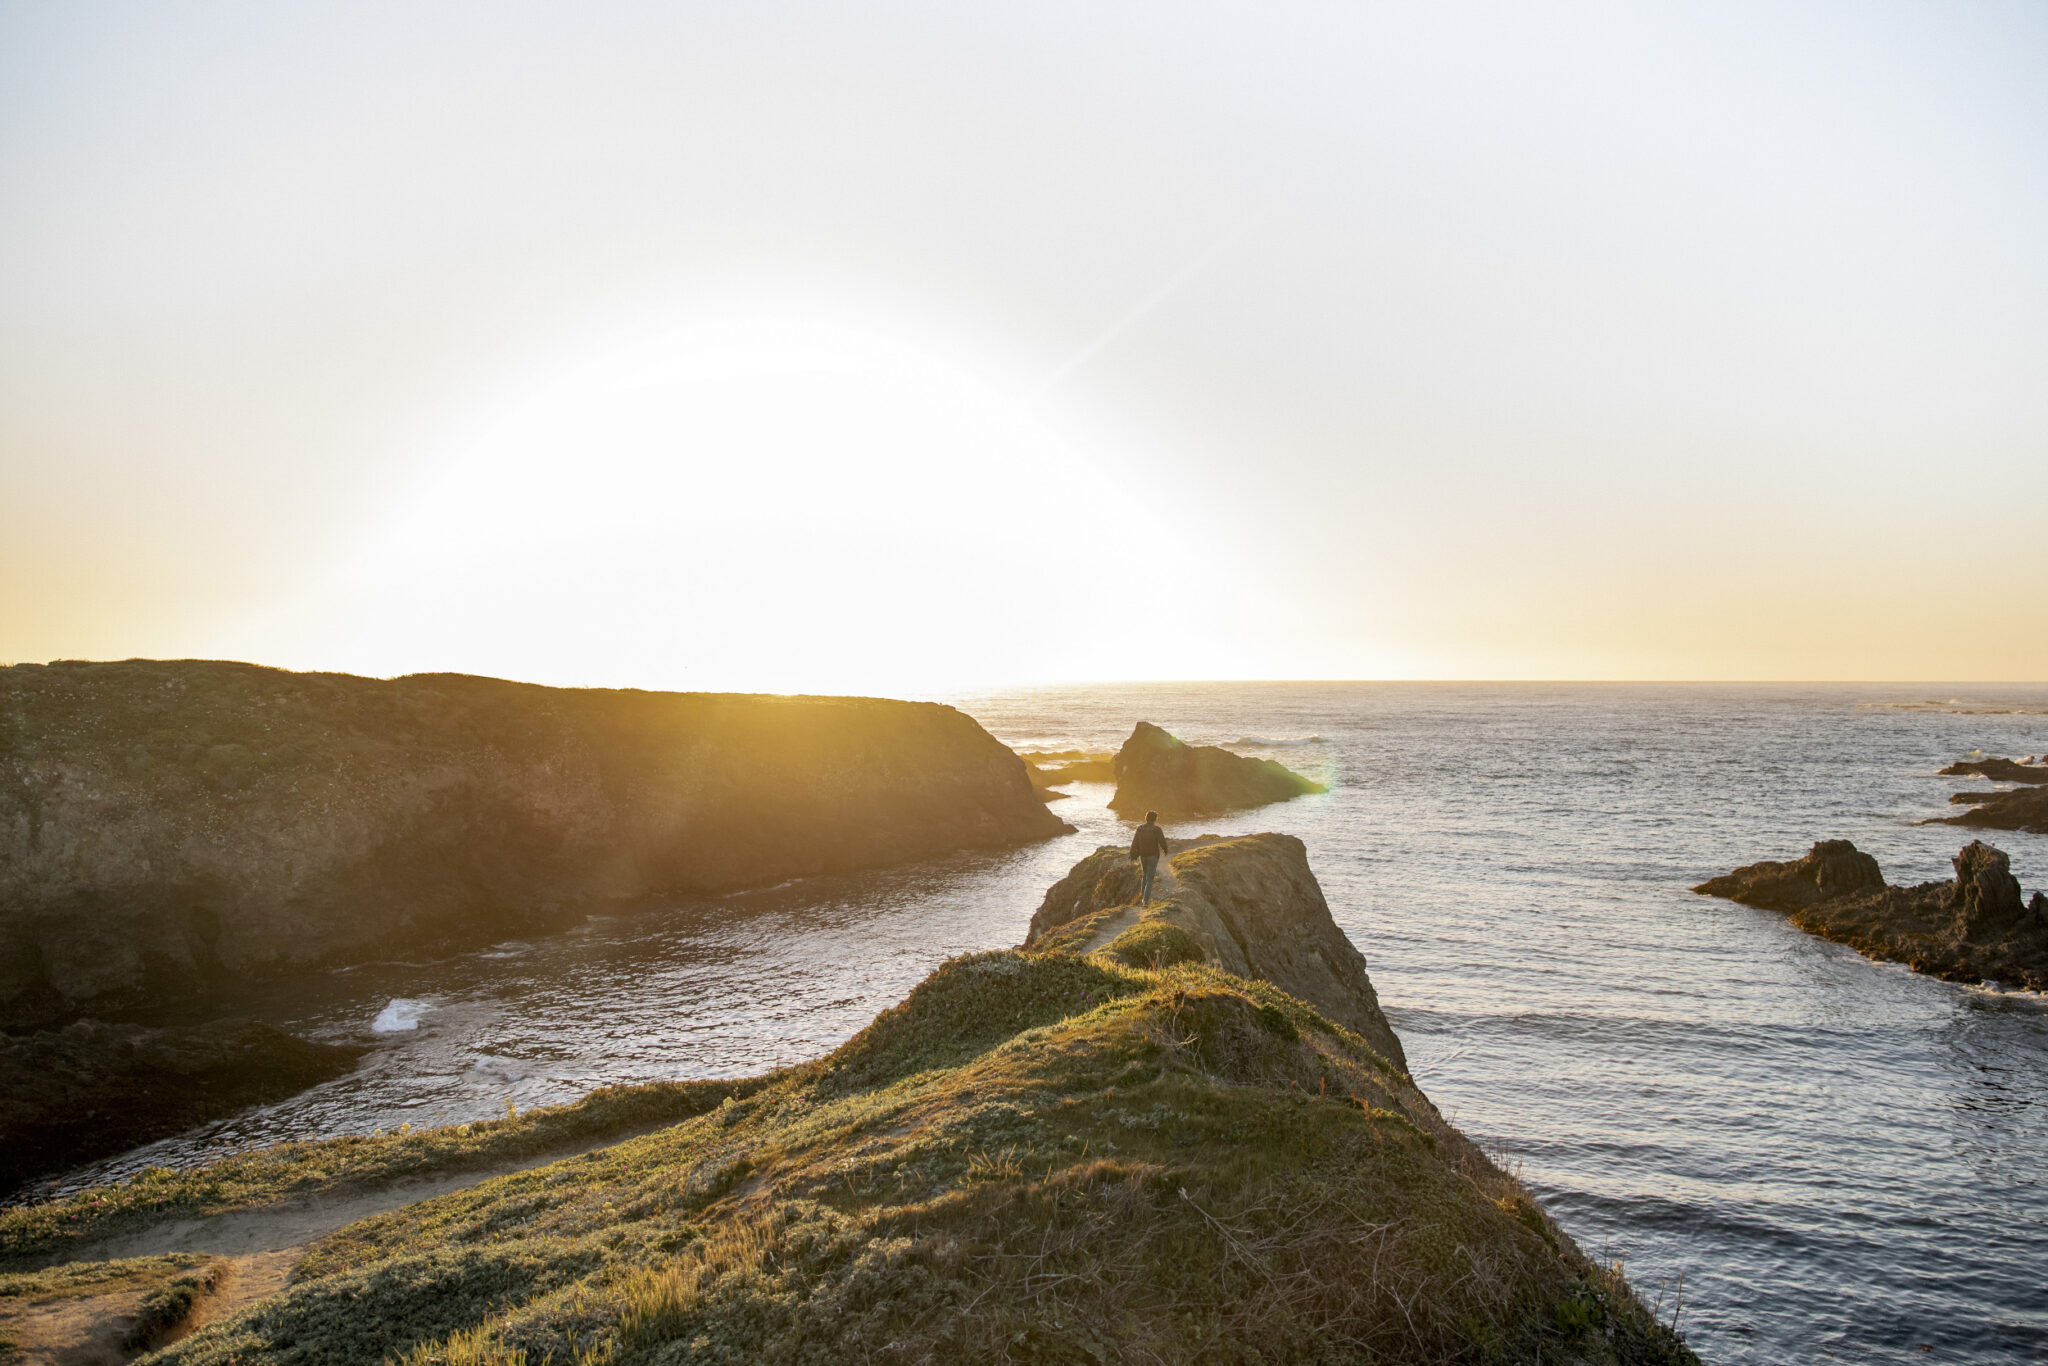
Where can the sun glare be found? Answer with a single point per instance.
(759, 504)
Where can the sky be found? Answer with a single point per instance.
(903, 347)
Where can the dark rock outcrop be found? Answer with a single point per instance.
(1832, 868)
(1973, 929)
(1999, 771)
(93, 1089)
(1249, 905)
(172, 830)
(1156, 772)
(2023, 808)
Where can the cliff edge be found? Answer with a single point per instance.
(172, 829)
(1043, 1155)
(1973, 929)
(1249, 906)
(1156, 771)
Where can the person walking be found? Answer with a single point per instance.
(1146, 847)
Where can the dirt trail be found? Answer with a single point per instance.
(260, 1247)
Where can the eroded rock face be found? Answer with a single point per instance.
(92, 1089)
(1986, 895)
(1975, 928)
(1157, 772)
(175, 829)
(1250, 904)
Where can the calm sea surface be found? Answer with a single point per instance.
(1836, 1159)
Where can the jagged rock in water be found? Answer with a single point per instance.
(1986, 895)
(92, 1089)
(1157, 772)
(1832, 868)
(2023, 808)
(177, 829)
(1248, 905)
(1974, 928)
(1998, 770)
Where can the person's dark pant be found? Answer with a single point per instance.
(1151, 867)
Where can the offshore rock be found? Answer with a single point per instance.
(1249, 905)
(92, 1089)
(2023, 808)
(171, 831)
(1157, 772)
(1999, 771)
(1973, 929)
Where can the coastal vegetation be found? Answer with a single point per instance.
(1064, 1153)
(1249, 905)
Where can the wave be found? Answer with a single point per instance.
(399, 1017)
(1957, 707)
(1268, 742)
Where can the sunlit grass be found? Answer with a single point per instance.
(1036, 1156)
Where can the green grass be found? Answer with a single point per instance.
(34, 1234)
(1035, 1157)
(76, 1279)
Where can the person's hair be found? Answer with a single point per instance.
(1151, 815)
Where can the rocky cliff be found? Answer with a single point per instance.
(1973, 929)
(1249, 906)
(173, 829)
(1157, 772)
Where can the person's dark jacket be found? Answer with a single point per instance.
(1149, 842)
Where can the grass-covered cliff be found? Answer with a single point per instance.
(174, 828)
(1039, 1155)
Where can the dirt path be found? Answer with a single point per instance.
(260, 1246)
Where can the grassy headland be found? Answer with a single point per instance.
(1035, 1157)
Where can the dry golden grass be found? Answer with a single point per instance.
(1035, 1157)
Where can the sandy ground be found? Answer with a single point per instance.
(260, 1247)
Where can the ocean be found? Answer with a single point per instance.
(1798, 1154)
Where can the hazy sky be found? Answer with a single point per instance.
(898, 347)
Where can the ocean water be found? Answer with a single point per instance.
(1799, 1154)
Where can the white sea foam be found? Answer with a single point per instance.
(400, 1016)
